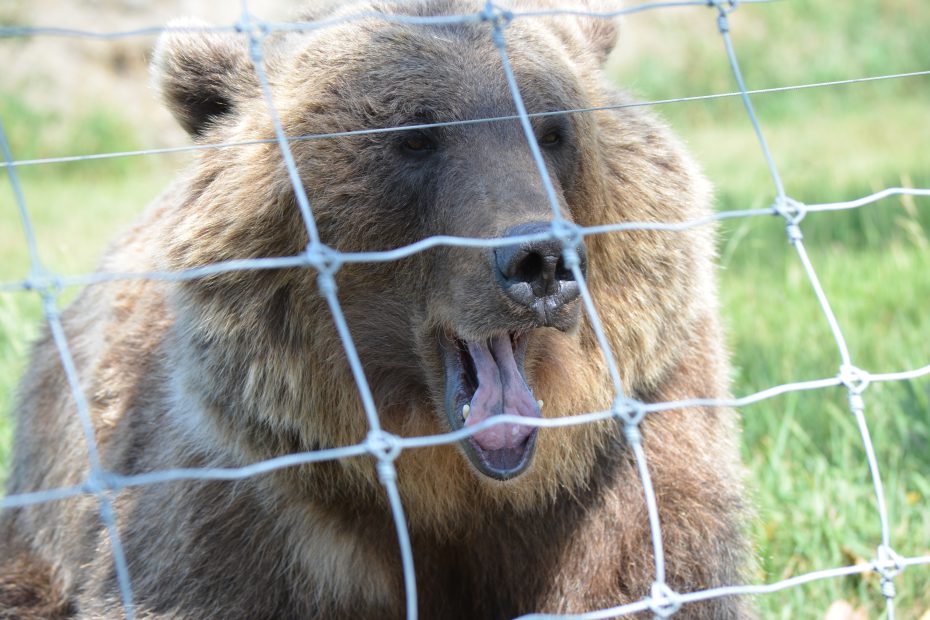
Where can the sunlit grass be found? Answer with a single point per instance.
(75, 210)
(807, 467)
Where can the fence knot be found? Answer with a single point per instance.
(322, 258)
(631, 413)
(889, 565)
(326, 261)
(855, 379)
(44, 284)
(724, 8)
(569, 235)
(663, 601)
(498, 17)
(98, 482)
(383, 446)
(255, 29)
(566, 232)
(792, 210)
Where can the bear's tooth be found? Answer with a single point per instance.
(540, 403)
(465, 410)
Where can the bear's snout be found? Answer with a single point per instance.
(535, 275)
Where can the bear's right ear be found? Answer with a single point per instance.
(200, 74)
(596, 35)
(601, 35)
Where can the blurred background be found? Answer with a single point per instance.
(807, 471)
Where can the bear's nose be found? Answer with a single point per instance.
(535, 270)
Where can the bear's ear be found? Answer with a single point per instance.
(594, 34)
(201, 75)
(601, 34)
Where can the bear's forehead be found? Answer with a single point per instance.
(445, 72)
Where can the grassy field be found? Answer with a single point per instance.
(807, 469)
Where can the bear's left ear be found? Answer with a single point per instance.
(201, 75)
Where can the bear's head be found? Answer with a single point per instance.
(450, 335)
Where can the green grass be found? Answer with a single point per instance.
(816, 507)
(807, 470)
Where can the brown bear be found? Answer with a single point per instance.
(236, 367)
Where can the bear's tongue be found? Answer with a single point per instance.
(501, 390)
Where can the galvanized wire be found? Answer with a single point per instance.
(662, 601)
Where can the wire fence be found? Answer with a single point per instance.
(663, 602)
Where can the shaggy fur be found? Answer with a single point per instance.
(234, 368)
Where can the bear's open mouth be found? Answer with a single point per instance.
(486, 378)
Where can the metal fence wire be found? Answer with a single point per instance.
(662, 601)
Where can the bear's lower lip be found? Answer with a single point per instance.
(485, 378)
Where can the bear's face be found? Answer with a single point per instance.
(473, 312)
(471, 332)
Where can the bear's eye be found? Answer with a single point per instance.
(417, 144)
(551, 138)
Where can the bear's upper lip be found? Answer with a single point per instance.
(487, 377)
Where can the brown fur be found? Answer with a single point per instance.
(28, 592)
(230, 369)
